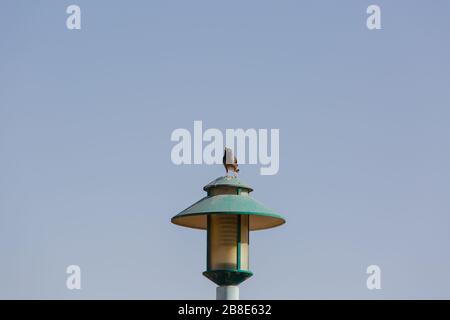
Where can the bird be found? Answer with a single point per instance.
(230, 162)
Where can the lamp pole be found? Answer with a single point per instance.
(227, 293)
(228, 214)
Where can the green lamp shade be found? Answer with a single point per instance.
(228, 196)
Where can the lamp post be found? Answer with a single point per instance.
(228, 214)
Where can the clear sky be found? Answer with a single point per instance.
(86, 117)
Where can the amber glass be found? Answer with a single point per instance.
(228, 242)
(223, 241)
(244, 242)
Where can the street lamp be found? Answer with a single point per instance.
(228, 213)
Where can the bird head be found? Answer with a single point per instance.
(227, 155)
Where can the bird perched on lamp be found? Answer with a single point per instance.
(229, 161)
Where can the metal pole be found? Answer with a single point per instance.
(227, 293)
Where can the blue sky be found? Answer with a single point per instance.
(85, 124)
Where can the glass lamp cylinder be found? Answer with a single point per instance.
(228, 242)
